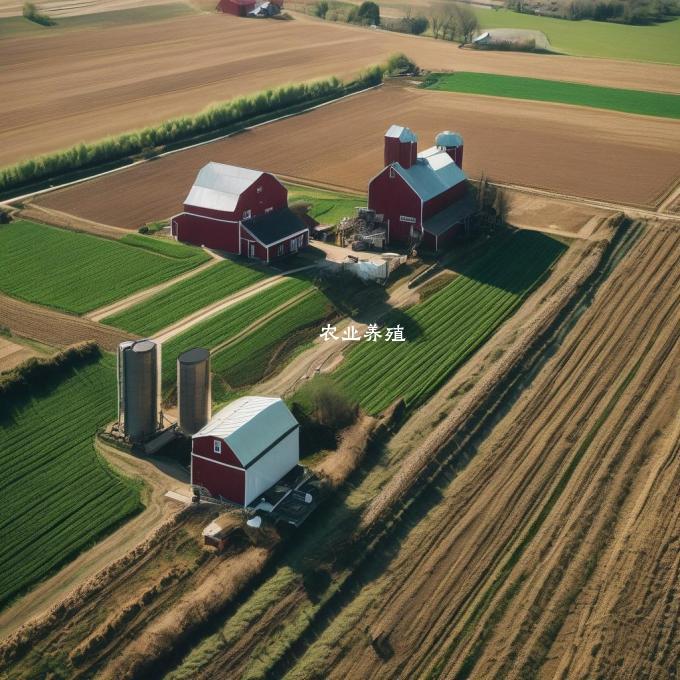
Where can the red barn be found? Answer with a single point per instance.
(245, 449)
(240, 211)
(421, 194)
(239, 8)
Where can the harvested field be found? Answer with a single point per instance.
(582, 152)
(562, 560)
(56, 328)
(13, 353)
(153, 73)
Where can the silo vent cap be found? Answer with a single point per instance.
(448, 139)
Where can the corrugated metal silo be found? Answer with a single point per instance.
(193, 389)
(138, 388)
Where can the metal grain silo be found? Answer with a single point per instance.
(193, 389)
(138, 388)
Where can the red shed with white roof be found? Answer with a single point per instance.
(421, 194)
(245, 449)
(240, 211)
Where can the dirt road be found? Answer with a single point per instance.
(154, 71)
(562, 559)
(158, 479)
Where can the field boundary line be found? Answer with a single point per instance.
(121, 305)
(80, 180)
(262, 320)
(190, 321)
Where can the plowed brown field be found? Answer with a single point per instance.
(583, 152)
(54, 94)
(556, 553)
(55, 328)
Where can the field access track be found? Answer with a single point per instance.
(577, 151)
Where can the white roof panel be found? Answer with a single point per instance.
(403, 134)
(433, 173)
(249, 425)
(218, 186)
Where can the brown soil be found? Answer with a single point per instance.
(13, 353)
(155, 71)
(555, 552)
(575, 151)
(56, 328)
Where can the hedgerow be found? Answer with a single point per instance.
(214, 118)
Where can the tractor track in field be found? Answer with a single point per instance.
(621, 355)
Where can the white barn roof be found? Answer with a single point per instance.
(219, 186)
(403, 134)
(250, 425)
(433, 173)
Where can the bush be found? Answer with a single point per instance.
(323, 408)
(320, 9)
(143, 229)
(30, 12)
(368, 13)
(399, 64)
(411, 25)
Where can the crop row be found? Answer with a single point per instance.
(186, 297)
(78, 272)
(228, 323)
(58, 495)
(251, 358)
(445, 329)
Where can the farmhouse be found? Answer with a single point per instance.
(421, 195)
(245, 449)
(240, 211)
(242, 8)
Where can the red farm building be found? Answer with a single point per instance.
(421, 195)
(245, 449)
(240, 211)
(242, 8)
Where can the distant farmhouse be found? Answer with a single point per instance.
(255, 8)
(421, 195)
(240, 211)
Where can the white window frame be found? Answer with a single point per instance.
(393, 174)
(217, 447)
(268, 210)
(259, 190)
(246, 214)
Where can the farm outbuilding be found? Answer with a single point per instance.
(245, 449)
(239, 8)
(421, 195)
(240, 211)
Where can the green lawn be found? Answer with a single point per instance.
(659, 42)
(183, 298)
(19, 26)
(327, 207)
(58, 495)
(78, 272)
(629, 101)
(442, 332)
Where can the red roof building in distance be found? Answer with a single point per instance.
(242, 8)
(240, 211)
(421, 195)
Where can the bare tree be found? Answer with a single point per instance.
(435, 22)
(466, 21)
(500, 206)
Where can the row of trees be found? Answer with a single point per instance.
(623, 11)
(453, 22)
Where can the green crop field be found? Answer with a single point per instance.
(228, 323)
(187, 296)
(659, 42)
(327, 207)
(78, 272)
(58, 496)
(629, 101)
(250, 359)
(451, 324)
